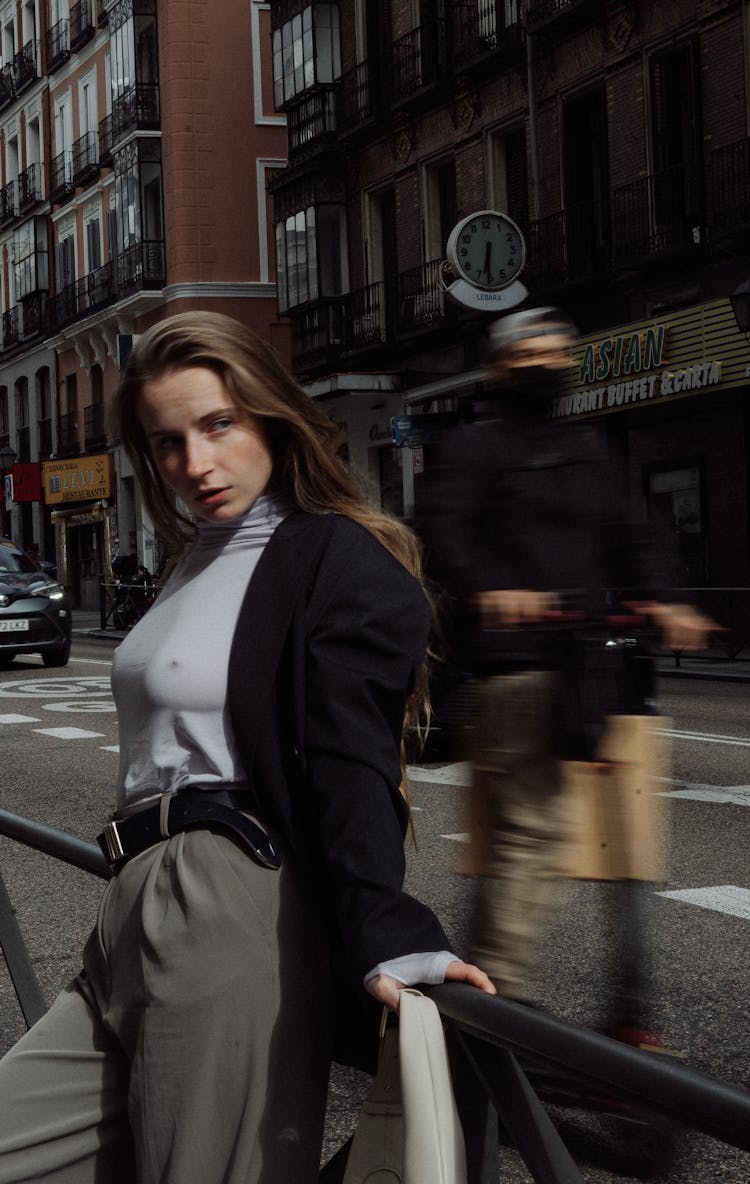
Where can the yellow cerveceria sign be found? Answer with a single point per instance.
(82, 479)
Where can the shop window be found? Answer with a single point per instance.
(675, 505)
(306, 51)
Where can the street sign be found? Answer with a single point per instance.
(409, 431)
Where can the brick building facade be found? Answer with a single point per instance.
(615, 134)
(136, 138)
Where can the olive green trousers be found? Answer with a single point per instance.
(194, 1047)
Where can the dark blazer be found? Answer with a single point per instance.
(330, 638)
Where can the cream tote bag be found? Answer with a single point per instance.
(408, 1130)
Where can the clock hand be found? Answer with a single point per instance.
(487, 258)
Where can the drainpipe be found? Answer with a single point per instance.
(532, 124)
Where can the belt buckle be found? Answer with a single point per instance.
(111, 836)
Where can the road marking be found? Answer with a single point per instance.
(465, 837)
(703, 737)
(116, 748)
(62, 686)
(724, 898)
(732, 795)
(91, 661)
(455, 774)
(85, 706)
(68, 733)
(19, 719)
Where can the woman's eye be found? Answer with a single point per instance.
(219, 425)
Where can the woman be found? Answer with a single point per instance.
(258, 836)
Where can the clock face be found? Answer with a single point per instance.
(487, 250)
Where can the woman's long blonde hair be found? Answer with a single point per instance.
(302, 439)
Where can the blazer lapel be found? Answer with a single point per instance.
(280, 580)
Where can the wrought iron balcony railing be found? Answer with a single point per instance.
(61, 183)
(312, 121)
(357, 98)
(67, 434)
(416, 60)
(24, 66)
(29, 187)
(7, 203)
(34, 315)
(365, 320)
(105, 140)
(97, 289)
(658, 213)
(421, 301)
(81, 24)
(137, 109)
(44, 435)
(729, 188)
(484, 29)
(7, 85)
(569, 246)
(58, 45)
(141, 266)
(94, 430)
(85, 166)
(318, 332)
(10, 327)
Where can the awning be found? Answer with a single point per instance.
(83, 515)
(452, 384)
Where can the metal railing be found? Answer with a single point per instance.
(85, 165)
(136, 109)
(29, 187)
(357, 97)
(421, 301)
(310, 120)
(58, 45)
(491, 1043)
(24, 66)
(7, 203)
(81, 24)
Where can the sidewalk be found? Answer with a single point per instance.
(710, 664)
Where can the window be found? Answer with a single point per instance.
(66, 262)
(439, 207)
(676, 141)
(30, 249)
(93, 244)
(508, 185)
(306, 51)
(311, 242)
(4, 425)
(137, 194)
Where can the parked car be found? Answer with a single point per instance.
(34, 610)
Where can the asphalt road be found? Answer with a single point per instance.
(59, 762)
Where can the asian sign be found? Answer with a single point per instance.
(82, 479)
(696, 350)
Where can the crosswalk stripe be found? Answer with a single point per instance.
(68, 733)
(19, 719)
(724, 898)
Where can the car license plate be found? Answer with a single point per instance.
(13, 626)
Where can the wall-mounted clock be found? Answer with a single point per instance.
(487, 250)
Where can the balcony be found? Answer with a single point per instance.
(141, 266)
(416, 63)
(24, 67)
(61, 177)
(729, 189)
(7, 86)
(7, 204)
(559, 16)
(487, 34)
(44, 430)
(85, 166)
(311, 123)
(570, 246)
(58, 45)
(10, 328)
(29, 188)
(34, 317)
(97, 289)
(81, 25)
(318, 334)
(137, 109)
(656, 215)
(105, 140)
(64, 306)
(366, 321)
(94, 430)
(421, 301)
(357, 99)
(23, 445)
(67, 434)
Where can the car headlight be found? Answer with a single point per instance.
(51, 591)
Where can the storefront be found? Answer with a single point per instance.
(673, 391)
(78, 491)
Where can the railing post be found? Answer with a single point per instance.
(25, 982)
(102, 605)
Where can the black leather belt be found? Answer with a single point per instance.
(123, 838)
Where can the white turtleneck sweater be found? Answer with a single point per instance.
(169, 679)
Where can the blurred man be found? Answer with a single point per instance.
(526, 523)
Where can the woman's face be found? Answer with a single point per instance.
(212, 454)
